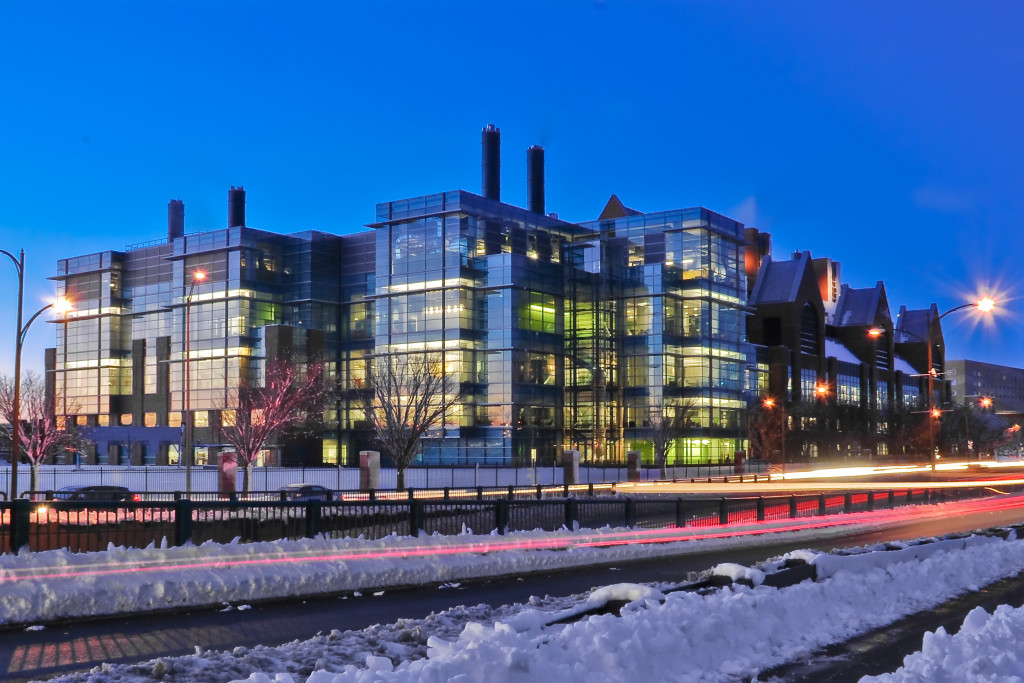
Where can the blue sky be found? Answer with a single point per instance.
(882, 135)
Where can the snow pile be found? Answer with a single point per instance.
(987, 648)
(57, 584)
(683, 636)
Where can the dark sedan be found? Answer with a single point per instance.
(306, 492)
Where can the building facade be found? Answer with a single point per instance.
(559, 335)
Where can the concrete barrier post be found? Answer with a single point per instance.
(633, 466)
(570, 467)
(369, 470)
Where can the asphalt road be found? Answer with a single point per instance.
(34, 655)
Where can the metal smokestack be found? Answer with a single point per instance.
(236, 207)
(175, 219)
(535, 179)
(491, 165)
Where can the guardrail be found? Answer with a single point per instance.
(90, 526)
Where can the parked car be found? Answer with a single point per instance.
(114, 494)
(306, 492)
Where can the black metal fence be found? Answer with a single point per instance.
(92, 526)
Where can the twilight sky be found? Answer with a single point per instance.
(882, 135)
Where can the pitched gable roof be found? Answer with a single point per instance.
(779, 281)
(616, 209)
(861, 306)
(912, 326)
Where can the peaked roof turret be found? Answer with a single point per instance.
(779, 281)
(616, 209)
(861, 306)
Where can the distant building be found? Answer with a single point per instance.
(970, 381)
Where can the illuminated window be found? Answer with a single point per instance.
(227, 418)
(330, 452)
(150, 419)
(126, 419)
(201, 418)
(173, 419)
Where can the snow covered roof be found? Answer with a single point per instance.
(834, 349)
(903, 366)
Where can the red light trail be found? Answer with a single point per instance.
(482, 545)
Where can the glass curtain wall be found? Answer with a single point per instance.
(681, 302)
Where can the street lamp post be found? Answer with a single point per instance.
(197, 276)
(771, 404)
(63, 306)
(985, 305)
(19, 265)
(16, 407)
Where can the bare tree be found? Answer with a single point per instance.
(410, 394)
(906, 428)
(289, 400)
(41, 435)
(667, 423)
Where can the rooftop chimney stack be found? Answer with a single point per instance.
(236, 207)
(535, 179)
(491, 166)
(175, 219)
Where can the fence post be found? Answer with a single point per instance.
(723, 512)
(412, 493)
(21, 509)
(680, 512)
(501, 515)
(822, 504)
(892, 499)
(479, 492)
(871, 501)
(539, 492)
(847, 503)
(313, 510)
(182, 521)
(794, 511)
(511, 491)
(572, 513)
(447, 492)
(630, 513)
(415, 517)
(760, 508)
(373, 495)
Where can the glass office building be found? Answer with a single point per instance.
(560, 335)
(125, 356)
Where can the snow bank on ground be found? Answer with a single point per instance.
(52, 585)
(987, 648)
(720, 636)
